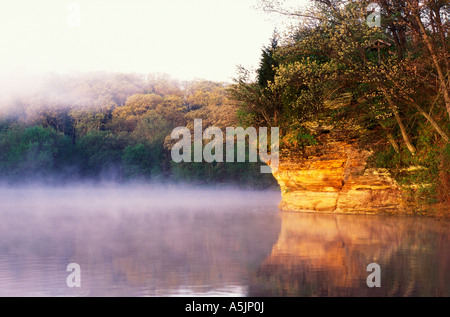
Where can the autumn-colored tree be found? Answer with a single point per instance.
(338, 67)
(333, 51)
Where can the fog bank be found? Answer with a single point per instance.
(132, 197)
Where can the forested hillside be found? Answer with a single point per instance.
(113, 127)
(379, 66)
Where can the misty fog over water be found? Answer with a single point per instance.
(148, 240)
(92, 91)
(133, 241)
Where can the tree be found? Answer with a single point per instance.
(259, 104)
(92, 117)
(393, 78)
(137, 162)
(100, 152)
(151, 129)
(336, 30)
(33, 152)
(268, 63)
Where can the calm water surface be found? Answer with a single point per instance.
(143, 241)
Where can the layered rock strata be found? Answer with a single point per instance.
(333, 177)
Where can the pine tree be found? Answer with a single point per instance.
(268, 63)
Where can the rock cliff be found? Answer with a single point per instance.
(333, 177)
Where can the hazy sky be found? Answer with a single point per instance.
(184, 38)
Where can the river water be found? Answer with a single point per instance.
(172, 241)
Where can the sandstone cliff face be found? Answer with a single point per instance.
(332, 177)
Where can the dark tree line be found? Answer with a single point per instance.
(113, 127)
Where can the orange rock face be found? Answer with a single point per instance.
(335, 179)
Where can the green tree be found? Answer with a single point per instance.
(268, 63)
(391, 80)
(33, 152)
(100, 152)
(137, 162)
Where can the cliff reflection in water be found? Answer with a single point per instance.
(172, 241)
(327, 255)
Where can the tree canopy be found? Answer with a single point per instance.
(336, 67)
(114, 127)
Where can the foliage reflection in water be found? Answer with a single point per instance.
(140, 241)
(328, 255)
